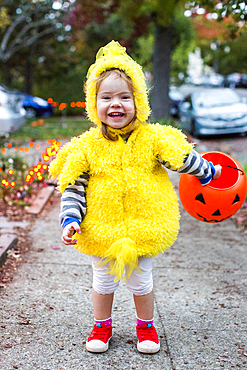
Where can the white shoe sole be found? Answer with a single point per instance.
(147, 346)
(97, 346)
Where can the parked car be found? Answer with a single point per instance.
(12, 113)
(213, 80)
(236, 80)
(36, 107)
(213, 112)
(176, 98)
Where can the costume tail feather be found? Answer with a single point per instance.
(122, 258)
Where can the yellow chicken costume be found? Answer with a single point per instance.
(132, 208)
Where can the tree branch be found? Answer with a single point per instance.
(27, 42)
(30, 26)
(9, 31)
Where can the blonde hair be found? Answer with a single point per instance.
(98, 80)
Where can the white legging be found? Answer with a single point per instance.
(137, 283)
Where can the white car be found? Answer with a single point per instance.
(213, 112)
(12, 113)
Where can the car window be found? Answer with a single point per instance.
(215, 98)
(176, 95)
(3, 97)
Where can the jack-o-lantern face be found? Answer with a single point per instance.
(216, 216)
(219, 200)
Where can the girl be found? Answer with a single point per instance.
(132, 210)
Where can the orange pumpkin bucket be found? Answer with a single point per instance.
(221, 198)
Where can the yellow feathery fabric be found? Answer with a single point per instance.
(122, 258)
(132, 208)
(70, 160)
(113, 55)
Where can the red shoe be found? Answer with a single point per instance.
(148, 341)
(98, 340)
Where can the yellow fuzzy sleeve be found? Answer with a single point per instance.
(70, 162)
(171, 146)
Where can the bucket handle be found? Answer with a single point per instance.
(235, 168)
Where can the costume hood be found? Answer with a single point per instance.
(113, 55)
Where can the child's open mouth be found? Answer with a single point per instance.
(117, 115)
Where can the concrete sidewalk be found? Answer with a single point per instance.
(200, 289)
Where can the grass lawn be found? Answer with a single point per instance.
(58, 128)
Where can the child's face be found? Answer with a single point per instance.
(115, 102)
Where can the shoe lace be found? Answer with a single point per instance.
(100, 332)
(147, 333)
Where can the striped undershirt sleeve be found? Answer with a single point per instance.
(73, 202)
(195, 164)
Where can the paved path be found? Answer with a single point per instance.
(200, 289)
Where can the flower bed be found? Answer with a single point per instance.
(19, 183)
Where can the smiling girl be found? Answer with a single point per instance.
(117, 195)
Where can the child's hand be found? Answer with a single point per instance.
(68, 232)
(217, 171)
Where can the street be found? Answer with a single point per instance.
(187, 89)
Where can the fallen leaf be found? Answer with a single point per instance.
(8, 345)
(24, 322)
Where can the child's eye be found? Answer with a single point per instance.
(105, 97)
(126, 97)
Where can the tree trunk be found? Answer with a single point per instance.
(29, 67)
(7, 75)
(161, 72)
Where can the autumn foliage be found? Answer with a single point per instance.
(211, 29)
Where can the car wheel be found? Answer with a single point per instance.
(30, 112)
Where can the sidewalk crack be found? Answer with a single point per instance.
(165, 337)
